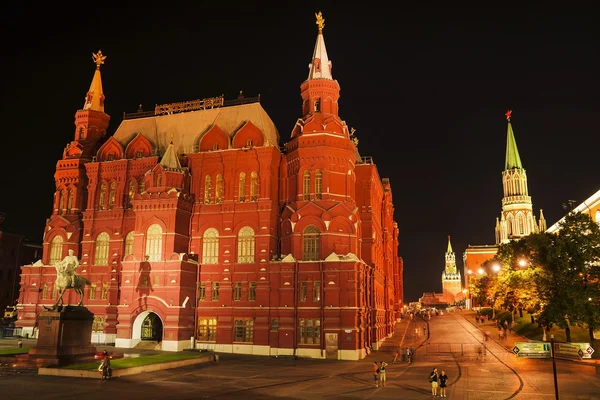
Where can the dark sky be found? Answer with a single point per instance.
(425, 87)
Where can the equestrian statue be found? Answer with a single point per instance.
(67, 278)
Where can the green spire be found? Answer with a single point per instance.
(512, 153)
(449, 245)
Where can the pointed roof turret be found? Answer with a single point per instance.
(449, 245)
(94, 100)
(513, 160)
(170, 159)
(320, 67)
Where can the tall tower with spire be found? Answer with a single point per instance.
(451, 281)
(517, 219)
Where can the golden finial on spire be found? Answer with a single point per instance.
(98, 58)
(171, 136)
(320, 21)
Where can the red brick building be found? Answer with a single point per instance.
(194, 226)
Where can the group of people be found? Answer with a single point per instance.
(404, 354)
(379, 376)
(438, 381)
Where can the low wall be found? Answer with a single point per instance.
(73, 373)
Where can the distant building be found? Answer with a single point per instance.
(191, 222)
(590, 206)
(516, 220)
(432, 299)
(15, 250)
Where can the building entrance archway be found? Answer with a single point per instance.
(148, 326)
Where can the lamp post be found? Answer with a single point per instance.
(554, 366)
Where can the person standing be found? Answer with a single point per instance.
(105, 366)
(443, 378)
(382, 375)
(409, 355)
(433, 378)
(376, 373)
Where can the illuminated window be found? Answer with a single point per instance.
(237, 291)
(254, 186)
(306, 185)
(142, 186)
(56, 250)
(61, 202)
(101, 252)
(207, 189)
(310, 244)
(70, 198)
(317, 291)
(44, 290)
(243, 330)
(215, 291)
(318, 184)
(154, 242)
(98, 324)
(219, 189)
(104, 291)
(252, 291)
(131, 193)
(129, 243)
(210, 246)
(310, 331)
(245, 245)
(242, 187)
(302, 294)
(317, 105)
(102, 198)
(202, 292)
(139, 154)
(93, 291)
(112, 195)
(158, 180)
(207, 329)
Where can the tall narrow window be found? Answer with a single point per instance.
(237, 291)
(306, 185)
(242, 187)
(207, 329)
(254, 186)
(45, 291)
(245, 245)
(210, 246)
(112, 195)
(93, 287)
(302, 294)
(243, 330)
(81, 133)
(56, 250)
(215, 291)
(101, 253)
(317, 105)
(158, 180)
(207, 189)
(202, 292)
(70, 198)
(252, 291)
(102, 198)
(310, 244)
(318, 184)
(154, 243)
(131, 192)
(61, 202)
(142, 186)
(104, 291)
(316, 291)
(219, 189)
(129, 243)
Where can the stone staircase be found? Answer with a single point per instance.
(148, 345)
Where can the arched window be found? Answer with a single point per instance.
(56, 250)
(142, 186)
(101, 253)
(102, 199)
(81, 133)
(254, 186)
(242, 187)
(317, 105)
(521, 225)
(154, 243)
(70, 199)
(306, 185)
(112, 195)
(210, 246)
(131, 192)
(207, 189)
(219, 189)
(310, 244)
(318, 184)
(129, 243)
(61, 202)
(158, 180)
(245, 245)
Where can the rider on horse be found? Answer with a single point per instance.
(69, 266)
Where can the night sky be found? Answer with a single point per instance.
(426, 89)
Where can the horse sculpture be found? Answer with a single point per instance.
(65, 281)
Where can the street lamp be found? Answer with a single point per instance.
(522, 263)
(496, 267)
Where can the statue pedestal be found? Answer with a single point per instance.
(64, 336)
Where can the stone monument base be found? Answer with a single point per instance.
(64, 337)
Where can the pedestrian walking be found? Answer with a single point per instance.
(382, 375)
(443, 378)
(376, 373)
(433, 379)
(397, 354)
(105, 366)
(409, 355)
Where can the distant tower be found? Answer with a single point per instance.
(451, 282)
(517, 219)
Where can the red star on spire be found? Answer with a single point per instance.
(508, 113)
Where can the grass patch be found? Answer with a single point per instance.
(123, 363)
(14, 351)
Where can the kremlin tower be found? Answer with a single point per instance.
(451, 282)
